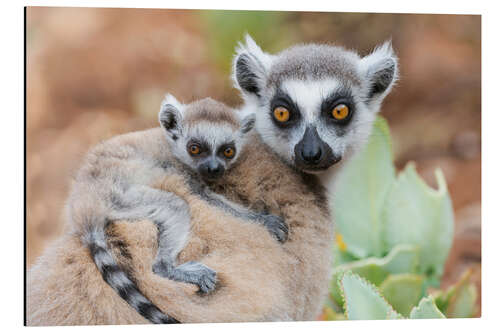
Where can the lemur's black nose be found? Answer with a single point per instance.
(211, 170)
(310, 147)
(215, 169)
(312, 155)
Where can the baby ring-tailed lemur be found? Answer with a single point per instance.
(204, 139)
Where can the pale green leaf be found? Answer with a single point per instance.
(426, 309)
(362, 301)
(402, 291)
(417, 214)
(464, 304)
(402, 259)
(360, 192)
(459, 300)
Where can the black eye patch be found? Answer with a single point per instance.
(223, 147)
(281, 99)
(204, 147)
(342, 96)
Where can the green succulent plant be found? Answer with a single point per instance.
(394, 233)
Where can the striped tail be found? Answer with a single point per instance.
(119, 280)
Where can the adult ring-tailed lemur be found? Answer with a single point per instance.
(314, 104)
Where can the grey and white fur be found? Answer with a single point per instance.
(310, 80)
(198, 141)
(307, 80)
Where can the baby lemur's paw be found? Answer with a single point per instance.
(197, 273)
(163, 269)
(191, 272)
(277, 226)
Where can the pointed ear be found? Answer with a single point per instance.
(381, 71)
(250, 67)
(247, 123)
(170, 117)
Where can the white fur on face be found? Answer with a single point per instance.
(308, 73)
(215, 135)
(309, 96)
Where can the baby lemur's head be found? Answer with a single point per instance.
(207, 136)
(314, 102)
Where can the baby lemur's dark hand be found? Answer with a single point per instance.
(276, 226)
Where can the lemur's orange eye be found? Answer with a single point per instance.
(229, 152)
(340, 112)
(281, 114)
(194, 149)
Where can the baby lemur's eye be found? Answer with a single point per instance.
(281, 114)
(229, 152)
(194, 149)
(340, 112)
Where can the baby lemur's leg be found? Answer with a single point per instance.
(276, 225)
(171, 215)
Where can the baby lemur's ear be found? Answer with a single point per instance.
(250, 67)
(381, 71)
(247, 123)
(170, 117)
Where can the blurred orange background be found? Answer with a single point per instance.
(94, 73)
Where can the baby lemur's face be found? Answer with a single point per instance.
(206, 135)
(314, 103)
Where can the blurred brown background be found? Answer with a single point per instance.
(95, 73)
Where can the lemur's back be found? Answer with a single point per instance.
(119, 158)
(260, 278)
(261, 178)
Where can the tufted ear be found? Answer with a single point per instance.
(250, 67)
(170, 117)
(381, 71)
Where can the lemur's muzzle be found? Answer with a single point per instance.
(211, 169)
(312, 153)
